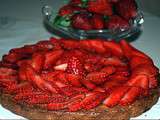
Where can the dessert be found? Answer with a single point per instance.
(97, 14)
(71, 79)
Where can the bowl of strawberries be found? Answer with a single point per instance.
(86, 19)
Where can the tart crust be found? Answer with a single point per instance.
(100, 113)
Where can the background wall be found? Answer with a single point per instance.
(152, 6)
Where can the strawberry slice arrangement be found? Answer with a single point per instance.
(97, 14)
(71, 75)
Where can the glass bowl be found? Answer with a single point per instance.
(68, 32)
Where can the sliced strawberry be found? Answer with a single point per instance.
(44, 45)
(36, 79)
(97, 21)
(141, 81)
(117, 23)
(97, 77)
(100, 6)
(55, 106)
(75, 2)
(97, 45)
(127, 8)
(81, 21)
(131, 96)
(116, 95)
(37, 61)
(51, 58)
(114, 48)
(136, 60)
(69, 44)
(153, 82)
(99, 98)
(88, 84)
(109, 84)
(145, 69)
(73, 79)
(113, 61)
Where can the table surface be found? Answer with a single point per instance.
(21, 23)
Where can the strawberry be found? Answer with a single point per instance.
(130, 51)
(88, 84)
(131, 96)
(97, 21)
(37, 61)
(100, 6)
(115, 96)
(113, 61)
(99, 98)
(117, 23)
(114, 1)
(99, 77)
(81, 21)
(114, 48)
(36, 79)
(75, 66)
(51, 57)
(141, 81)
(97, 45)
(137, 60)
(153, 82)
(73, 79)
(127, 9)
(65, 10)
(44, 45)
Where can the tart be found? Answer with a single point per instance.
(69, 79)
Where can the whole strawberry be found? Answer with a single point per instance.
(126, 8)
(97, 21)
(100, 6)
(81, 21)
(117, 23)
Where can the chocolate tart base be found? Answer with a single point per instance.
(100, 113)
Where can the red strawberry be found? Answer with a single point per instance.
(113, 61)
(37, 80)
(115, 96)
(97, 21)
(131, 96)
(117, 23)
(44, 45)
(137, 60)
(111, 83)
(61, 67)
(65, 10)
(81, 21)
(100, 6)
(141, 81)
(130, 51)
(97, 45)
(99, 77)
(114, 1)
(153, 82)
(37, 61)
(99, 98)
(51, 57)
(88, 84)
(127, 9)
(114, 48)
(69, 44)
(75, 66)
(73, 79)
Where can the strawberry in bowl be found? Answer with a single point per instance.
(81, 19)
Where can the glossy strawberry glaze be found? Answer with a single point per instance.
(60, 74)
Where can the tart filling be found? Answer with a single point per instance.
(71, 75)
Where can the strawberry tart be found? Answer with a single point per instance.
(94, 79)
